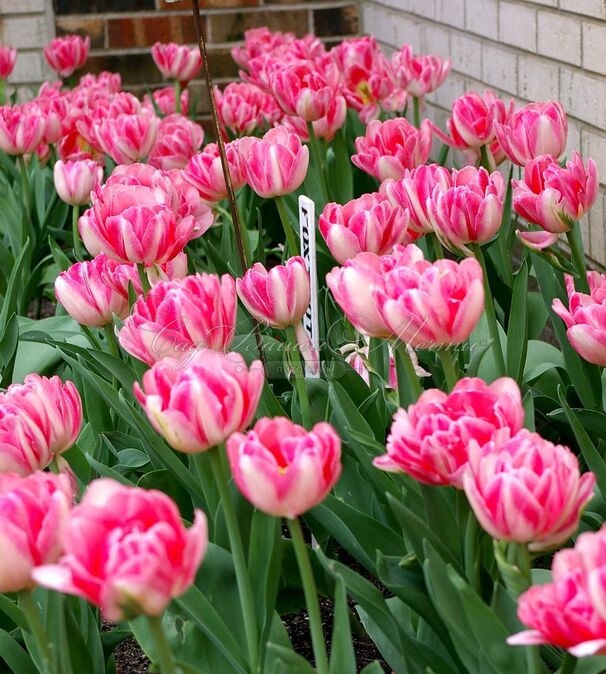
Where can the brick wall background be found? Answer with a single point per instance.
(526, 49)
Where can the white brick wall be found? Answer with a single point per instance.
(525, 49)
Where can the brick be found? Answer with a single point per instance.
(186, 5)
(454, 87)
(538, 80)
(22, 6)
(594, 145)
(231, 27)
(136, 69)
(94, 28)
(545, 3)
(518, 26)
(451, 12)
(96, 6)
(499, 68)
(145, 31)
(597, 249)
(407, 30)
(559, 37)
(435, 39)
(466, 55)
(583, 97)
(24, 32)
(30, 67)
(481, 17)
(595, 8)
(335, 21)
(594, 47)
(382, 24)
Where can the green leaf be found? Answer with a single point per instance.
(15, 656)
(340, 170)
(373, 668)
(342, 655)
(9, 304)
(517, 330)
(286, 660)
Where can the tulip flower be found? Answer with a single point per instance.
(536, 241)
(468, 211)
(199, 406)
(127, 138)
(370, 223)
(554, 197)
(21, 129)
(413, 192)
(431, 305)
(281, 468)
(243, 108)
(276, 164)
(67, 54)
(429, 441)
(33, 512)
(8, 57)
(205, 171)
(75, 180)
(535, 130)
(259, 41)
(165, 100)
(419, 75)
(126, 551)
(563, 612)
(176, 318)
(23, 446)
(177, 141)
(391, 147)
(585, 318)
(325, 127)
(526, 489)
(177, 62)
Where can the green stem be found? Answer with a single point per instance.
(318, 159)
(448, 366)
(438, 251)
(409, 386)
(145, 285)
(443, 156)
(569, 664)
(36, 628)
(291, 239)
(311, 596)
(2, 92)
(491, 315)
(416, 111)
(484, 158)
(575, 241)
(76, 234)
(112, 342)
(166, 659)
(378, 357)
(178, 97)
(470, 547)
(533, 657)
(298, 367)
(245, 593)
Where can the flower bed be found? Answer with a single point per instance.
(225, 417)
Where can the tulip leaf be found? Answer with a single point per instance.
(286, 660)
(373, 668)
(15, 656)
(594, 665)
(517, 329)
(342, 656)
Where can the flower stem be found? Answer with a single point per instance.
(235, 541)
(311, 596)
(523, 561)
(449, 368)
(416, 111)
(32, 613)
(569, 664)
(27, 195)
(298, 367)
(409, 386)
(75, 233)
(484, 158)
(2, 92)
(178, 97)
(438, 251)
(575, 241)
(491, 315)
(291, 240)
(318, 159)
(112, 342)
(145, 285)
(166, 659)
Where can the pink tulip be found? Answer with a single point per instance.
(177, 62)
(139, 215)
(276, 164)
(537, 241)
(199, 406)
(325, 127)
(470, 210)
(281, 468)
(126, 138)
(585, 318)
(419, 75)
(369, 223)
(51, 406)
(205, 171)
(429, 441)
(562, 613)
(431, 305)
(259, 41)
(554, 197)
(305, 89)
(473, 120)
(67, 54)
(535, 130)
(105, 81)
(8, 57)
(21, 129)
(33, 512)
(75, 180)
(278, 297)
(177, 141)
(165, 100)
(243, 108)
(358, 360)
(126, 551)
(526, 489)
(23, 446)
(413, 192)
(391, 147)
(176, 318)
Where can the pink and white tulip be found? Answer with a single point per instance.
(67, 54)
(75, 180)
(419, 75)
(126, 138)
(177, 141)
(429, 441)
(526, 489)
(205, 171)
(165, 100)
(8, 58)
(199, 406)
(177, 62)
(282, 469)
(33, 512)
(243, 108)
(391, 147)
(21, 129)
(126, 551)
(326, 127)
